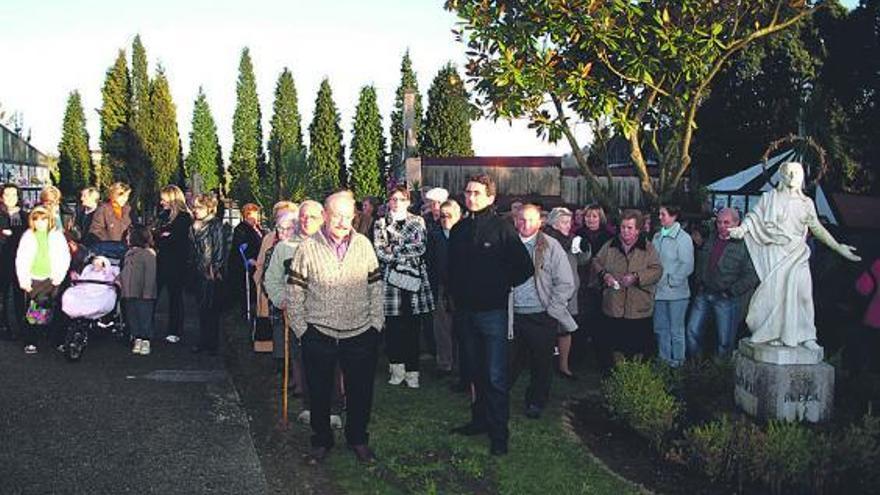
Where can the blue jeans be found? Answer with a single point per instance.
(726, 310)
(669, 329)
(484, 335)
(139, 317)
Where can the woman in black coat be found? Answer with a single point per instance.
(207, 257)
(172, 245)
(13, 223)
(247, 233)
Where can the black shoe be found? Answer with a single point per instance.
(533, 411)
(498, 448)
(469, 430)
(364, 454)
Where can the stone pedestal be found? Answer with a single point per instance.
(788, 383)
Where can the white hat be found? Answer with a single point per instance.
(437, 194)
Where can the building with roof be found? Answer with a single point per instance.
(23, 165)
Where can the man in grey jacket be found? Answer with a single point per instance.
(539, 305)
(723, 273)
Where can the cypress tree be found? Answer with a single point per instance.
(140, 86)
(139, 172)
(286, 167)
(246, 159)
(74, 161)
(398, 142)
(447, 126)
(367, 146)
(115, 132)
(203, 145)
(163, 139)
(327, 156)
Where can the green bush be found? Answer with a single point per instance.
(638, 394)
(789, 454)
(708, 447)
(726, 450)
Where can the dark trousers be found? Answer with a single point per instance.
(402, 340)
(139, 317)
(486, 352)
(175, 304)
(209, 314)
(9, 289)
(465, 375)
(357, 357)
(534, 336)
(47, 294)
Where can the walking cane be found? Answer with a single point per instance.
(285, 382)
(247, 289)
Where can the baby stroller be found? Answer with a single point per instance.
(92, 305)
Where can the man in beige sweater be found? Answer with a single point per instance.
(335, 309)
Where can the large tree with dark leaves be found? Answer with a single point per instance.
(646, 66)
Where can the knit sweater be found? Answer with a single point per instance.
(342, 299)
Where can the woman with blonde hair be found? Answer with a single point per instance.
(41, 264)
(171, 235)
(52, 200)
(113, 217)
(578, 251)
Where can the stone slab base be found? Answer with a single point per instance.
(792, 392)
(780, 354)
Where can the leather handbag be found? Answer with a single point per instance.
(404, 277)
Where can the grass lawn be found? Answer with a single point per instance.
(409, 432)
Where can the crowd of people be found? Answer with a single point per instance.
(491, 294)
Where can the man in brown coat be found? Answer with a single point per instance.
(628, 269)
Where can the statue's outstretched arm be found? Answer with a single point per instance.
(821, 233)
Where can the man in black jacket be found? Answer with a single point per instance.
(486, 260)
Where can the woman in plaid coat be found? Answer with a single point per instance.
(400, 240)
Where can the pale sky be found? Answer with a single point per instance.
(51, 47)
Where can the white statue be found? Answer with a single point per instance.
(781, 311)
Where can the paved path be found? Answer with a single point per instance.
(116, 423)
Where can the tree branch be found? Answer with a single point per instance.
(694, 102)
(578, 152)
(603, 56)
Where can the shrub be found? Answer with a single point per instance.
(708, 447)
(638, 394)
(726, 450)
(789, 454)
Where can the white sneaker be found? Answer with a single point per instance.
(412, 379)
(172, 339)
(336, 421)
(398, 374)
(304, 417)
(30, 349)
(145, 348)
(138, 345)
